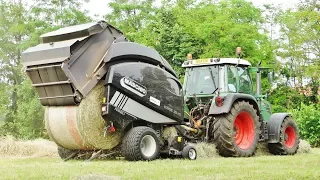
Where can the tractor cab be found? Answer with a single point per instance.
(206, 77)
(212, 81)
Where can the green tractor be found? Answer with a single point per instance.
(222, 107)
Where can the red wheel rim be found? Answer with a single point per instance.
(244, 130)
(290, 137)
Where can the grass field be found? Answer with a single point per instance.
(300, 166)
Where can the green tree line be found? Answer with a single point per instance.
(286, 40)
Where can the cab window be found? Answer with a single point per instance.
(232, 79)
(239, 79)
(245, 85)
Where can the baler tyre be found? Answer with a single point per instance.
(140, 143)
(289, 139)
(238, 131)
(189, 152)
(65, 153)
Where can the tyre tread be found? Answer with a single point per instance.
(225, 139)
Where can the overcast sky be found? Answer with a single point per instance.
(100, 7)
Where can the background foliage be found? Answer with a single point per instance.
(287, 40)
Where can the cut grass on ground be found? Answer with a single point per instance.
(300, 166)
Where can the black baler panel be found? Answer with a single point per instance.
(149, 85)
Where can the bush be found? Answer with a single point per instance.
(284, 97)
(308, 119)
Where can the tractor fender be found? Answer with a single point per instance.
(228, 101)
(274, 125)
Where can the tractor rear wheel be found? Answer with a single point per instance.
(289, 139)
(238, 131)
(140, 143)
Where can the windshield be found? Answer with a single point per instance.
(201, 80)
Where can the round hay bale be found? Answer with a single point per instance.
(81, 127)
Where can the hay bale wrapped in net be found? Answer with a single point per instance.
(81, 127)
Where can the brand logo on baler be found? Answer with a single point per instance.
(133, 86)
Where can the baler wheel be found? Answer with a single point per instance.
(140, 143)
(237, 131)
(67, 154)
(189, 152)
(289, 139)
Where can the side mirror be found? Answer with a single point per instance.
(270, 77)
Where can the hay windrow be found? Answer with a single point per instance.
(304, 147)
(262, 149)
(206, 150)
(10, 147)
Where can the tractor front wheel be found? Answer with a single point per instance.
(289, 139)
(237, 131)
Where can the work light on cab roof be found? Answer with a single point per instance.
(190, 62)
(215, 61)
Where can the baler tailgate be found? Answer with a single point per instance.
(65, 67)
(52, 84)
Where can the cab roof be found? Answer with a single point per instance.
(215, 61)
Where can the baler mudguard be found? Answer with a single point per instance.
(69, 62)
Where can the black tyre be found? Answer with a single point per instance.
(67, 153)
(215, 133)
(289, 139)
(140, 143)
(238, 131)
(189, 152)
